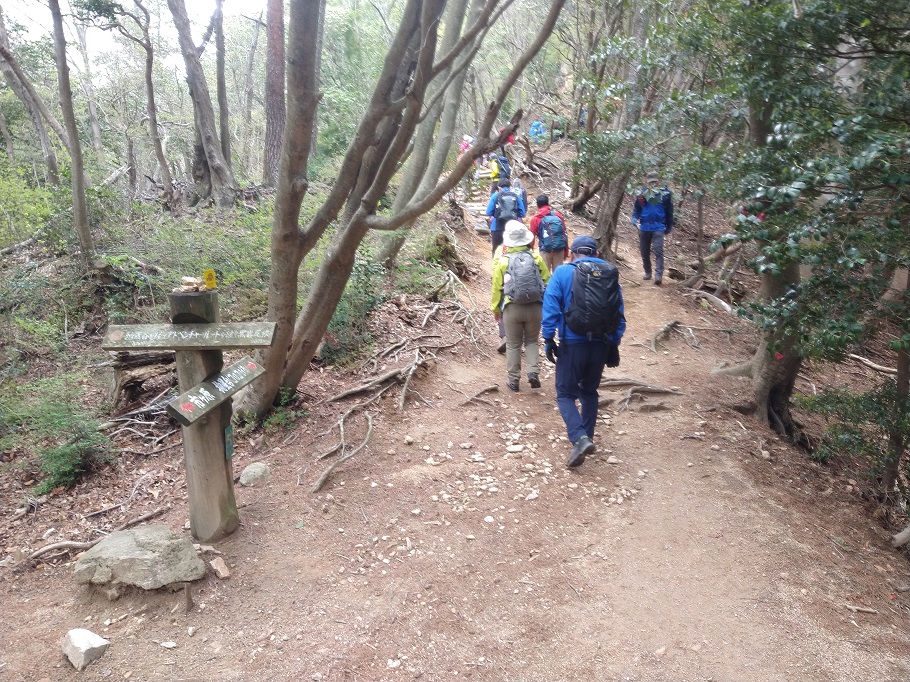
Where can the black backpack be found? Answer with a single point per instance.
(594, 310)
(505, 170)
(506, 206)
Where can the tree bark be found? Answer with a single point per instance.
(897, 438)
(221, 86)
(80, 208)
(7, 139)
(275, 112)
(25, 96)
(216, 179)
(89, 91)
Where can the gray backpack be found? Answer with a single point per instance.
(525, 284)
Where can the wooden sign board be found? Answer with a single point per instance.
(203, 398)
(214, 336)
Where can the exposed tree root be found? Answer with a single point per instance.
(871, 365)
(723, 305)
(70, 544)
(344, 458)
(476, 397)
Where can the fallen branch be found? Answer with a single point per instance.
(395, 373)
(664, 332)
(871, 365)
(723, 305)
(476, 397)
(70, 544)
(640, 391)
(344, 458)
(860, 609)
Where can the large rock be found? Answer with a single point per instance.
(148, 557)
(255, 473)
(83, 646)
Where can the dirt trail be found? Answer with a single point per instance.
(461, 555)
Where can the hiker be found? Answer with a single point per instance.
(583, 302)
(519, 189)
(652, 214)
(464, 146)
(504, 205)
(549, 228)
(499, 170)
(537, 132)
(519, 279)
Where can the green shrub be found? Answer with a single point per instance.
(348, 333)
(859, 424)
(44, 418)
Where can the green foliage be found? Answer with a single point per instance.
(24, 208)
(860, 424)
(348, 333)
(286, 414)
(45, 418)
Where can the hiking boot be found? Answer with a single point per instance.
(646, 276)
(657, 281)
(583, 447)
(534, 380)
(502, 347)
(513, 386)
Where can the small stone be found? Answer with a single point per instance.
(613, 460)
(715, 447)
(518, 447)
(408, 440)
(641, 474)
(83, 646)
(169, 645)
(416, 512)
(220, 568)
(191, 630)
(489, 519)
(533, 495)
(393, 663)
(254, 474)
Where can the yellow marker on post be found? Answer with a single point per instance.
(209, 277)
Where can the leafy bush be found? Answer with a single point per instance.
(24, 209)
(45, 418)
(859, 424)
(348, 332)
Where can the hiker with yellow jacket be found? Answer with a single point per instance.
(519, 279)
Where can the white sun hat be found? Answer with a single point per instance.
(516, 234)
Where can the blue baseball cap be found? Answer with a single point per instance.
(584, 245)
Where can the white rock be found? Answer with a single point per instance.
(408, 440)
(518, 447)
(613, 460)
(255, 473)
(169, 645)
(489, 519)
(83, 646)
(393, 663)
(191, 630)
(641, 474)
(533, 495)
(220, 568)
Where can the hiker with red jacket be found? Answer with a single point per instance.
(554, 242)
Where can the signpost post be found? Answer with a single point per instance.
(204, 406)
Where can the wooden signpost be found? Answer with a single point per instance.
(204, 406)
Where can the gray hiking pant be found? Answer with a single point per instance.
(522, 323)
(648, 239)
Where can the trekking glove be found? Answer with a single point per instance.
(612, 355)
(552, 350)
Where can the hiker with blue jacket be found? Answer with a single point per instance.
(519, 279)
(504, 205)
(583, 303)
(652, 214)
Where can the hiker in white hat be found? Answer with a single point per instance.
(519, 279)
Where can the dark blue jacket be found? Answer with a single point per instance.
(653, 209)
(556, 300)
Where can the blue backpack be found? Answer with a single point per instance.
(505, 170)
(551, 233)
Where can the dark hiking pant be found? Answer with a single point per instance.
(579, 368)
(652, 239)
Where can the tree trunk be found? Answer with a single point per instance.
(80, 209)
(25, 96)
(897, 438)
(382, 139)
(218, 181)
(221, 86)
(89, 91)
(274, 89)
(249, 90)
(7, 140)
(132, 172)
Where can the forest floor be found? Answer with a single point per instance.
(694, 545)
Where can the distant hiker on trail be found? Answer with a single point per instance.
(519, 279)
(584, 304)
(549, 227)
(504, 205)
(509, 140)
(519, 189)
(537, 132)
(499, 170)
(652, 214)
